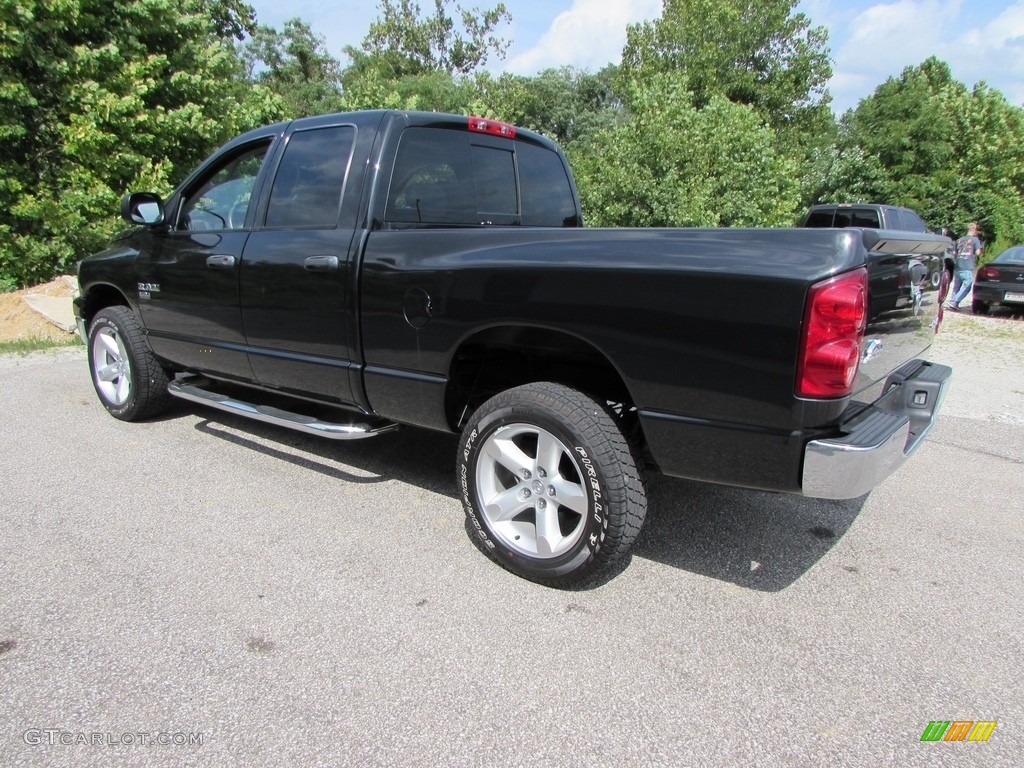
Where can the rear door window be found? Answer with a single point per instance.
(865, 217)
(309, 181)
(910, 221)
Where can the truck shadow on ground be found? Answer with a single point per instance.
(757, 540)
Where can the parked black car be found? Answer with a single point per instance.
(1000, 282)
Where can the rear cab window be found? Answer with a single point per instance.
(451, 177)
(820, 219)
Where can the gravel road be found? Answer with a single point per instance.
(255, 598)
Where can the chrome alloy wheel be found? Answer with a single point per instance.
(531, 491)
(113, 370)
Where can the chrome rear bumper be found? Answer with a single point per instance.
(880, 437)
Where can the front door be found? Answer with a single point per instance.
(189, 278)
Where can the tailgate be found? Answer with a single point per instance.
(905, 291)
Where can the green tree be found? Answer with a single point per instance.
(295, 65)
(907, 127)
(100, 96)
(844, 173)
(927, 142)
(409, 60)
(672, 163)
(230, 18)
(988, 185)
(404, 42)
(757, 53)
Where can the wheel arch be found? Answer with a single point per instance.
(100, 296)
(499, 358)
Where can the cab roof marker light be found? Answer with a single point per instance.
(493, 127)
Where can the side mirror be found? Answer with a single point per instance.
(143, 208)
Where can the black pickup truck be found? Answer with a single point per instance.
(350, 273)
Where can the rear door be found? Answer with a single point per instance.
(296, 278)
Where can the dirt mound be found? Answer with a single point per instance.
(18, 321)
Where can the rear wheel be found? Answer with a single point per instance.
(979, 307)
(128, 379)
(549, 483)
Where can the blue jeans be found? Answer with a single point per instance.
(965, 277)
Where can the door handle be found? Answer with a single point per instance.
(220, 261)
(321, 263)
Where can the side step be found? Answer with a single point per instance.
(187, 389)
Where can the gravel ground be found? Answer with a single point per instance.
(987, 356)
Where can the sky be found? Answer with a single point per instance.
(981, 40)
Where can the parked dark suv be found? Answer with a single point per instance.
(900, 282)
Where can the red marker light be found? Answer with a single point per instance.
(493, 127)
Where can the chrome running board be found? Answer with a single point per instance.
(186, 389)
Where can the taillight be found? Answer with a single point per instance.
(833, 329)
(988, 273)
(493, 127)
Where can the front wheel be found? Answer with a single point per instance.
(129, 380)
(549, 483)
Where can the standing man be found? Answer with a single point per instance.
(968, 248)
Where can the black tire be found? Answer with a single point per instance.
(979, 307)
(549, 484)
(127, 377)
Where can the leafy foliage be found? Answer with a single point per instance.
(295, 65)
(99, 96)
(757, 53)
(673, 164)
(565, 104)
(927, 142)
(717, 116)
(410, 44)
(714, 92)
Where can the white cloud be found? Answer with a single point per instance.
(590, 35)
(885, 38)
(995, 54)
